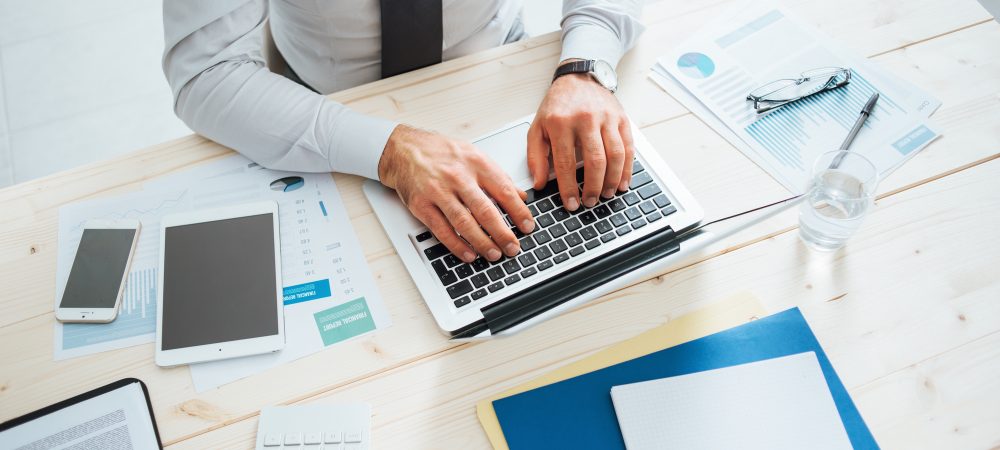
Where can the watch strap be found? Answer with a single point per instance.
(585, 66)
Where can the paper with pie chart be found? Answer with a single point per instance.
(329, 292)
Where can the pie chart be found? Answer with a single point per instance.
(287, 184)
(696, 65)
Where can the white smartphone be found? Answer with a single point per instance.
(97, 279)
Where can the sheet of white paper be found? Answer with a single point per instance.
(781, 403)
(323, 268)
(717, 67)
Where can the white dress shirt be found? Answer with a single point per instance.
(215, 65)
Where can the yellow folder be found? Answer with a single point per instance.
(719, 316)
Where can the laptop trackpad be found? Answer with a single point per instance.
(509, 149)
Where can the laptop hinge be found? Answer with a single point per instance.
(566, 286)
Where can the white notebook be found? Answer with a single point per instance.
(781, 403)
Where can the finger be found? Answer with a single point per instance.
(438, 224)
(626, 133)
(538, 155)
(499, 186)
(614, 149)
(467, 226)
(489, 218)
(594, 166)
(564, 158)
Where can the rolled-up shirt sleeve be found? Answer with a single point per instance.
(600, 29)
(213, 61)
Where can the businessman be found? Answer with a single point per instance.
(214, 63)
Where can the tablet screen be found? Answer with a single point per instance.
(219, 282)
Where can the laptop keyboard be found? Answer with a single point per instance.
(559, 236)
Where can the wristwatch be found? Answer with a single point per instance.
(598, 69)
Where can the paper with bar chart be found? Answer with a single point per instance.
(713, 71)
(323, 269)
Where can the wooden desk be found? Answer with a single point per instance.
(909, 312)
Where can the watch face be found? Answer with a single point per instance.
(605, 75)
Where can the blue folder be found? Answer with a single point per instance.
(578, 412)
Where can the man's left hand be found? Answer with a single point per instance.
(578, 112)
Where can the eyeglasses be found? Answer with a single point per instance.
(784, 91)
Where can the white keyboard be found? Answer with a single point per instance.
(344, 426)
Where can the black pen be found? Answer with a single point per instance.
(865, 112)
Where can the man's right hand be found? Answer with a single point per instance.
(442, 181)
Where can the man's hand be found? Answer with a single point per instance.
(441, 181)
(577, 112)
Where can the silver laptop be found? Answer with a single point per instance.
(568, 256)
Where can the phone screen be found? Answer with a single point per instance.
(98, 268)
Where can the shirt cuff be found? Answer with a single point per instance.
(360, 142)
(591, 41)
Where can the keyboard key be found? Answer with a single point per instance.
(546, 220)
(636, 166)
(527, 259)
(616, 204)
(533, 210)
(436, 251)
(640, 180)
(558, 246)
(542, 237)
(560, 215)
(560, 258)
(576, 251)
(574, 239)
(557, 230)
(603, 226)
(623, 230)
(608, 237)
(592, 244)
(424, 236)
(661, 200)
(654, 217)
(479, 280)
(638, 224)
(352, 437)
(668, 210)
(459, 289)
(464, 271)
(511, 279)
(543, 253)
(528, 272)
(545, 265)
(332, 437)
(462, 302)
(439, 267)
(647, 207)
(588, 233)
(495, 273)
(517, 232)
(527, 243)
(588, 218)
(480, 264)
(618, 220)
(633, 213)
(495, 286)
(479, 294)
(573, 224)
(448, 278)
(649, 190)
(510, 266)
(631, 198)
(272, 440)
(556, 199)
(293, 438)
(544, 205)
(602, 211)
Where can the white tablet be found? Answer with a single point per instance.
(219, 290)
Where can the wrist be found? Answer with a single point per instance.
(388, 163)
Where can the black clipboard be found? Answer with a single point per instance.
(86, 396)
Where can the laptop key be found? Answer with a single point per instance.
(588, 218)
(511, 279)
(546, 220)
(448, 278)
(636, 166)
(608, 237)
(638, 224)
(560, 258)
(533, 210)
(464, 271)
(668, 210)
(459, 289)
(649, 190)
(545, 264)
(647, 207)
(654, 217)
(574, 239)
(603, 226)
(511, 266)
(573, 224)
(558, 246)
(661, 200)
(576, 251)
(436, 251)
(592, 244)
(616, 204)
(560, 215)
(557, 230)
(618, 220)
(602, 211)
(631, 198)
(528, 272)
(633, 213)
(495, 286)
(542, 237)
(439, 267)
(480, 264)
(424, 236)
(588, 233)
(527, 243)
(452, 260)
(544, 205)
(479, 294)
(527, 259)
(623, 230)
(462, 302)
(640, 180)
(495, 273)
(480, 280)
(542, 253)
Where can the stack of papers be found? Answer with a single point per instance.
(712, 72)
(324, 272)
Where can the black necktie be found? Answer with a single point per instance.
(411, 35)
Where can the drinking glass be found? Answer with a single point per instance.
(839, 195)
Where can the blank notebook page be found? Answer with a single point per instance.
(780, 403)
